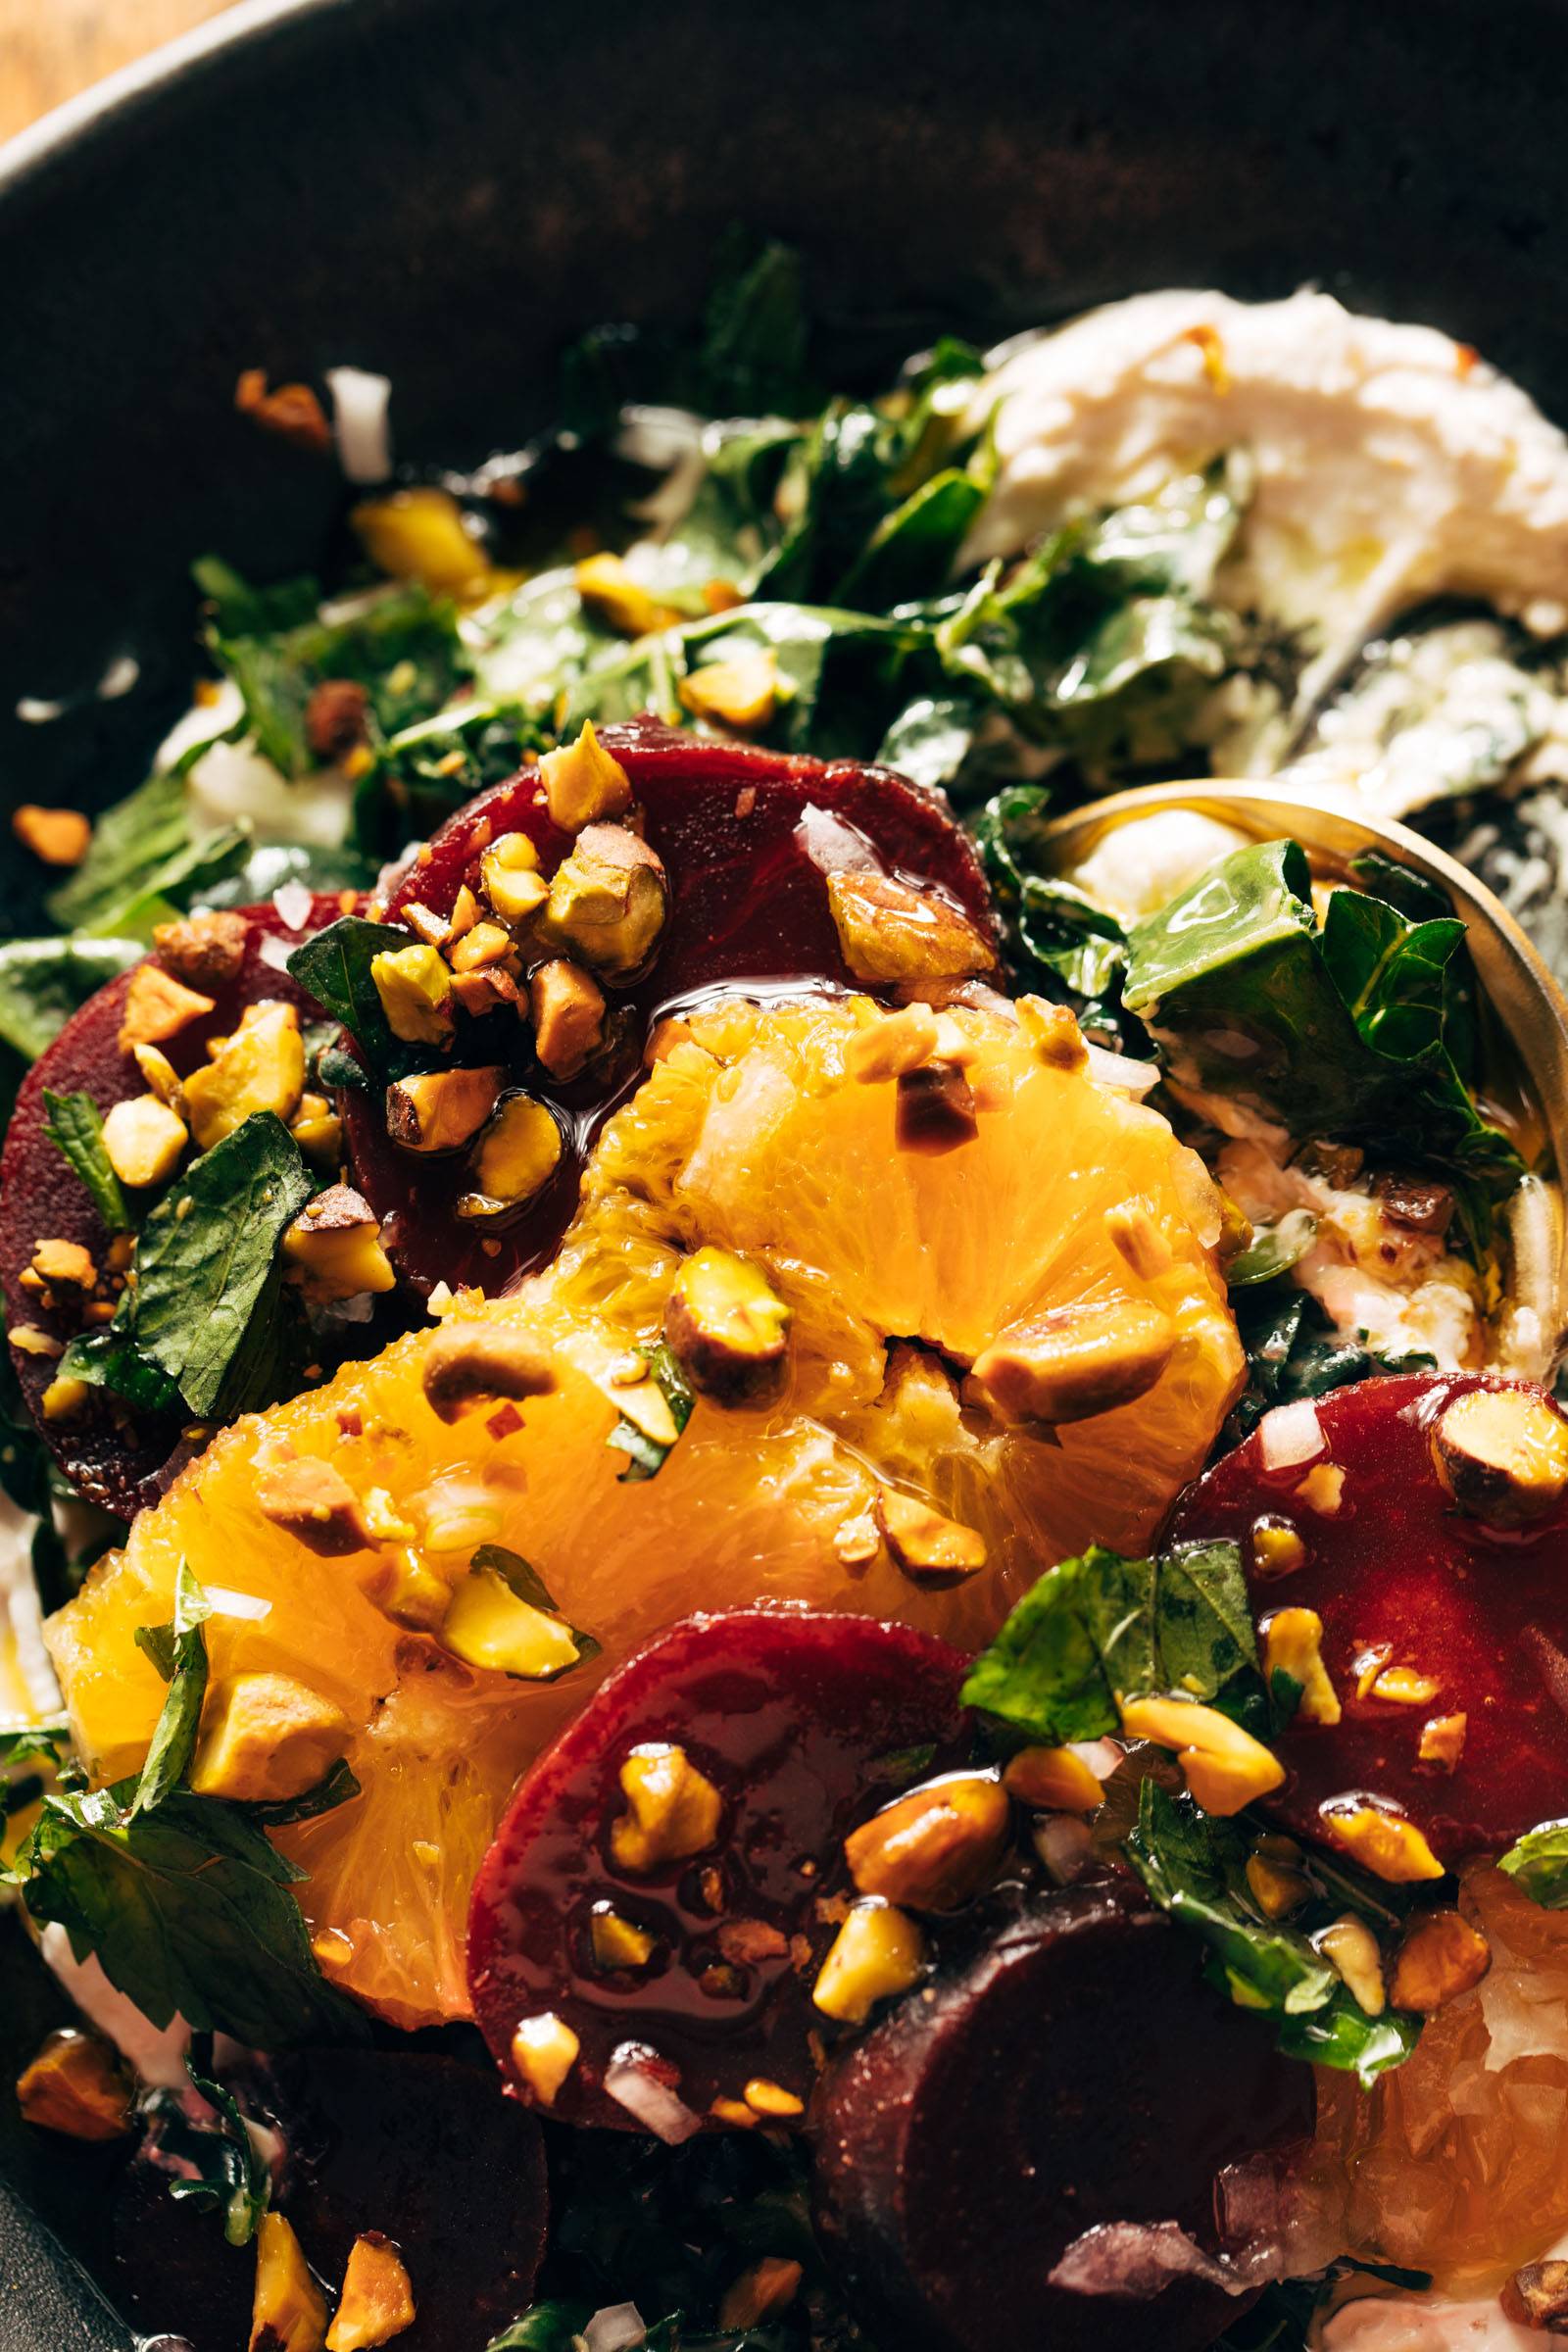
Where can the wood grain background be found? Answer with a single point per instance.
(50, 49)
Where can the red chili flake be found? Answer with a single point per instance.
(350, 1421)
(505, 1423)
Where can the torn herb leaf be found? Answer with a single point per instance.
(214, 2165)
(44, 981)
(180, 1657)
(280, 1813)
(334, 967)
(1538, 1863)
(647, 1452)
(523, 1580)
(1273, 1249)
(144, 863)
(75, 1126)
(1344, 1026)
(1058, 938)
(1294, 1351)
(1194, 1866)
(1100, 1630)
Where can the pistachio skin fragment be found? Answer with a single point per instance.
(1503, 1454)
(936, 1847)
(204, 950)
(728, 1327)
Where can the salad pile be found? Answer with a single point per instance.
(784, 1557)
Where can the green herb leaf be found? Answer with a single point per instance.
(548, 2327)
(214, 2165)
(144, 863)
(1273, 1249)
(206, 1262)
(1538, 1861)
(751, 361)
(333, 1790)
(43, 1743)
(334, 967)
(189, 1910)
(174, 1739)
(1058, 939)
(44, 981)
(647, 1455)
(524, 1580)
(1100, 1629)
(74, 1124)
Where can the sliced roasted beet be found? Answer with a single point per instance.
(120, 1465)
(423, 2148)
(802, 1722)
(747, 868)
(1430, 1611)
(1077, 2076)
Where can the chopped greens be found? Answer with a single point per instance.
(214, 2165)
(648, 1454)
(44, 981)
(179, 1652)
(1098, 1631)
(335, 967)
(1538, 1863)
(75, 1124)
(144, 862)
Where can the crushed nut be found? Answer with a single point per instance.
(158, 1006)
(1440, 1956)
(64, 1400)
(1381, 1841)
(510, 876)
(728, 1327)
(422, 534)
(673, 1810)
(56, 836)
(771, 2099)
(63, 1261)
(1537, 2296)
(441, 1110)
(78, 2085)
(1293, 1644)
(1226, 1768)
(205, 950)
(892, 1045)
(1133, 1233)
(878, 1953)
(290, 2309)
(160, 1075)
(934, 1848)
(415, 987)
(741, 693)
(318, 1131)
(261, 1067)
(617, 1943)
(406, 1587)
(1053, 1033)
(1277, 1547)
(484, 945)
(1404, 1687)
(333, 1247)
(468, 1364)
(612, 595)
(1277, 1890)
(922, 1542)
(1073, 1362)
(1052, 1780)
(568, 1008)
(609, 900)
(490, 1625)
(767, 2286)
(291, 412)
(377, 2298)
(265, 1737)
(1352, 1948)
(311, 1499)
(888, 930)
(1442, 1741)
(1503, 1454)
(144, 1141)
(517, 1152)
(583, 784)
(934, 1110)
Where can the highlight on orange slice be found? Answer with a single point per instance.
(940, 1429)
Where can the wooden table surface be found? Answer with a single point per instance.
(50, 49)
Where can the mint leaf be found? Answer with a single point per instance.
(144, 862)
(74, 1124)
(206, 1262)
(334, 1789)
(44, 981)
(1538, 1861)
(334, 967)
(174, 1739)
(213, 2165)
(647, 1455)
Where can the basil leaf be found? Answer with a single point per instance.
(1538, 1861)
(206, 1258)
(174, 1739)
(648, 1455)
(44, 981)
(1100, 1630)
(189, 1910)
(334, 967)
(74, 1124)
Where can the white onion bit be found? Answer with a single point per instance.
(293, 901)
(359, 405)
(225, 1602)
(1064, 1845)
(614, 2327)
(1290, 1434)
(1119, 1070)
(275, 953)
(630, 2081)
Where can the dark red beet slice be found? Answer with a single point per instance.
(748, 903)
(1483, 1613)
(1077, 2074)
(802, 1722)
(41, 1198)
(421, 2147)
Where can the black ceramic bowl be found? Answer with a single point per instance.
(447, 189)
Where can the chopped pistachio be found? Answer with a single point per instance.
(64, 1400)
(318, 1131)
(1052, 1780)
(205, 949)
(158, 1006)
(415, 987)
(265, 1737)
(486, 944)
(1226, 1768)
(56, 836)
(472, 1364)
(1277, 1547)
(617, 1943)
(1276, 1889)
(1440, 1956)
(261, 1067)
(517, 1152)
(934, 1848)
(1383, 1842)
(144, 1141)
(771, 2099)
(673, 1810)
(1074, 1362)
(567, 1007)
(727, 1326)
(1133, 1233)
(1442, 1741)
(878, 1953)
(924, 1543)
(510, 877)
(544, 2051)
(741, 693)
(1350, 1944)
(441, 1110)
(377, 2298)
(77, 2084)
(289, 2311)
(614, 597)
(405, 1587)
(1052, 1031)
(1503, 1454)
(333, 1247)
(487, 1624)
(889, 930)
(583, 784)
(609, 901)
(1293, 1644)
(1405, 1686)
(422, 534)
(891, 1044)
(312, 1499)
(160, 1075)
(61, 1261)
